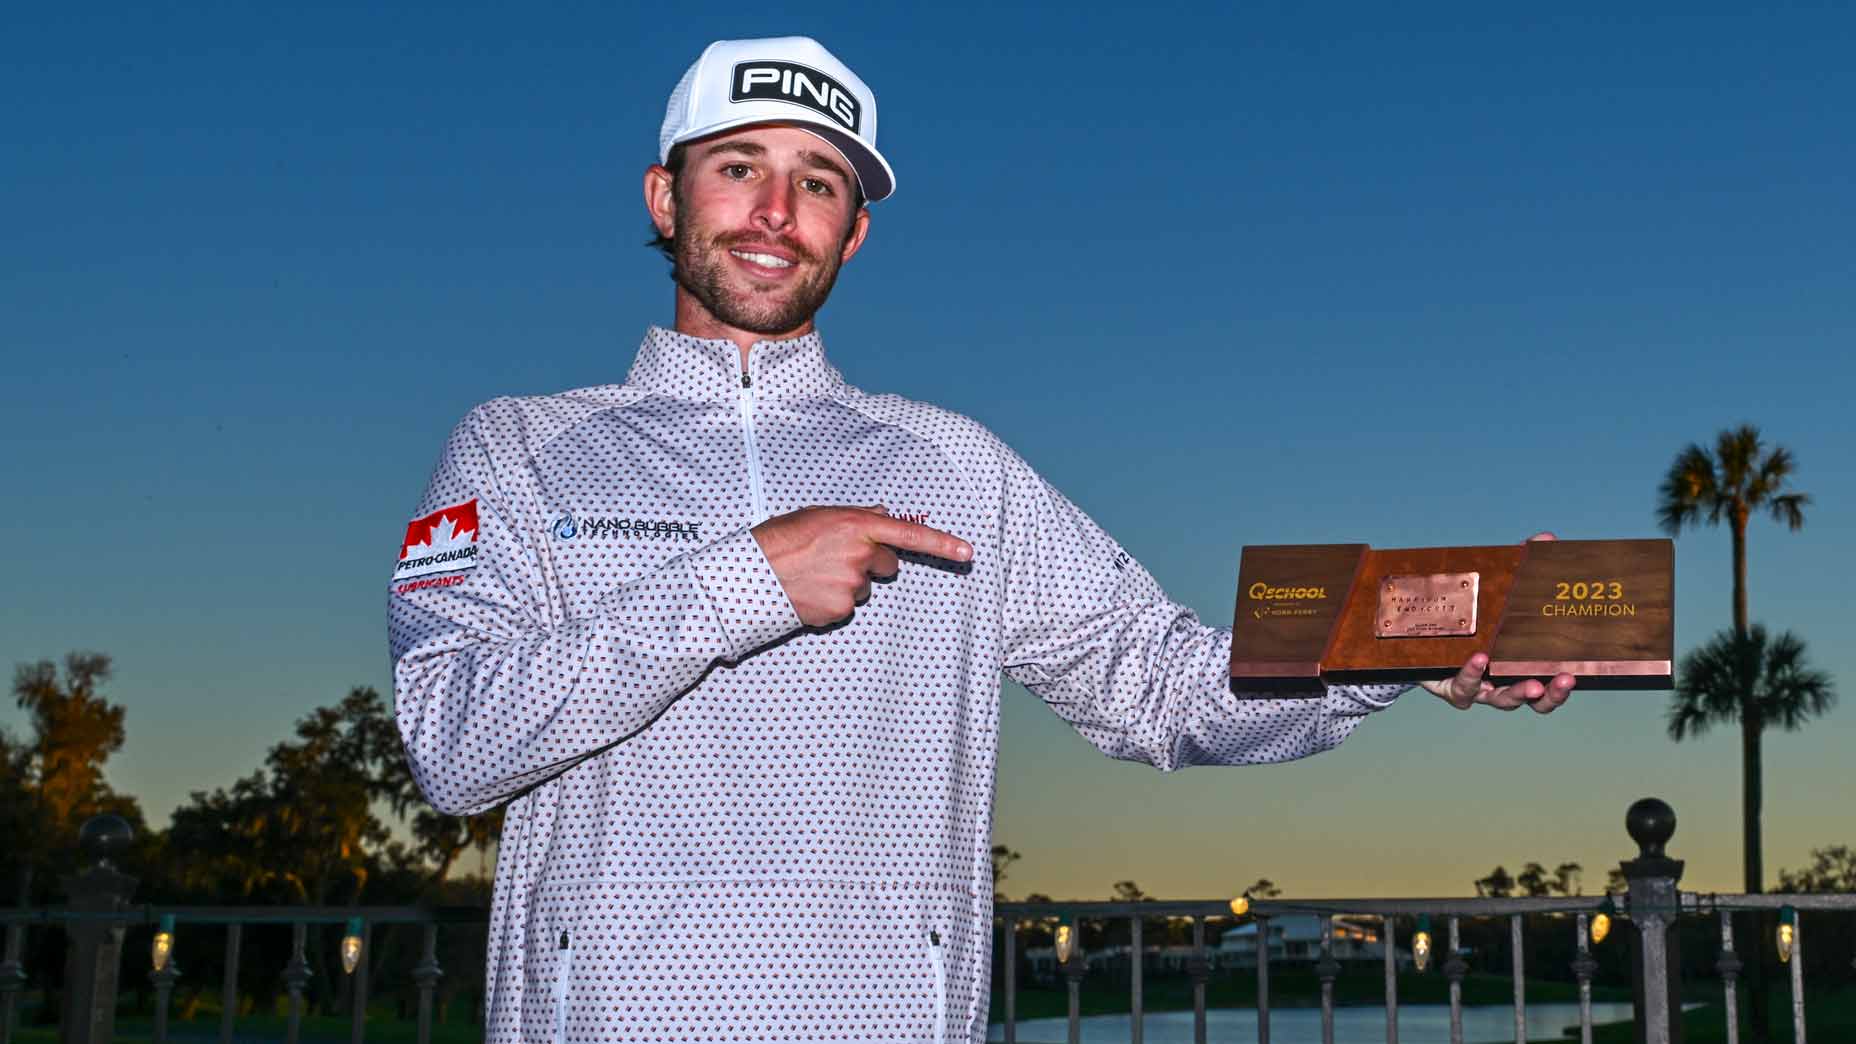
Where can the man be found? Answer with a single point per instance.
(747, 742)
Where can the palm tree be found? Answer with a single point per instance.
(1739, 478)
(1716, 681)
(1735, 676)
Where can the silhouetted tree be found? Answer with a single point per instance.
(1002, 857)
(55, 777)
(1263, 888)
(1568, 879)
(1498, 885)
(1832, 869)
(1128, 892)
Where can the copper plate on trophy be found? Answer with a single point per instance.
(1600, 610)
(1429, 605)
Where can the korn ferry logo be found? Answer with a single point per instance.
(441, 542)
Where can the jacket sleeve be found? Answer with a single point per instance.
(496, 688)
(1092, 634)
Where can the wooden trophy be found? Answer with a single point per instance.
(1600, 610)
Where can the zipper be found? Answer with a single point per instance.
(563, 971)
(757, 496)
(939, 960)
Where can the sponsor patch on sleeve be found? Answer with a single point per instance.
(444, 541)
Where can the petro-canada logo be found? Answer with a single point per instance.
(441, 542)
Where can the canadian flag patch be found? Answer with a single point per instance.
(441, 542)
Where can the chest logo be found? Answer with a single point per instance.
(595, 527)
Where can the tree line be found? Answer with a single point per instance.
(330, 817)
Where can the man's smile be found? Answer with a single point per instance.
(762, 259)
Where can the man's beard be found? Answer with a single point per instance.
(701, 267)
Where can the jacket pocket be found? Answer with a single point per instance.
(548, 976)
(763, 959)
(563, 974)
(937, 957)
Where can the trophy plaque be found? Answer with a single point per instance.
(1600, 610)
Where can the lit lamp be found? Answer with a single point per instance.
(1066, 943)
(164, 942)
(1601, 922)
(1240, 905)
(351, 946)
(1788, 932)
(1421, 943)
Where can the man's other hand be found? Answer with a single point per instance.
(826, 557)
(1469, 687)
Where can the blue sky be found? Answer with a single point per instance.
(1278, 274)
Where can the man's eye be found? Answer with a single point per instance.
(737, 170)
(816, 186)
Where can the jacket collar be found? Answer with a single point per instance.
(684, 367)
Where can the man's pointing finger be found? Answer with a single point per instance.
(912, 536)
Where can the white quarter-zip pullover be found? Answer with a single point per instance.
(723, 826)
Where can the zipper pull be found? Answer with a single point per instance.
(563, 941)
(746, 381)
(934, 938)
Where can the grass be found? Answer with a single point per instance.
(1830, 1015)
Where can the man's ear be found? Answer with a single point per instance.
(660, 199)
(860, 227)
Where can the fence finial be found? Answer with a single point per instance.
(104, 837)
(1651, 823)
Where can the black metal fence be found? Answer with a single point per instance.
(100, 913)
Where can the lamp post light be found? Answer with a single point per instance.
(1075, 965)
(163, 945)
(1601, 921)
(351, 946)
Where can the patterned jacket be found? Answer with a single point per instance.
(723, 826)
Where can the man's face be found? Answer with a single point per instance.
(762, 219)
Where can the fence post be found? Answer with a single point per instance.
(163, 979)
(93, 958)
(13, 969)
(1654, 905)
(426, 974)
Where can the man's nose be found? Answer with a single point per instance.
(773, 208)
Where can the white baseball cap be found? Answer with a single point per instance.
(782, 79)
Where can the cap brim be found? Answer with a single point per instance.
(872, 170)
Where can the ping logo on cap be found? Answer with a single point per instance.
(799, 85)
